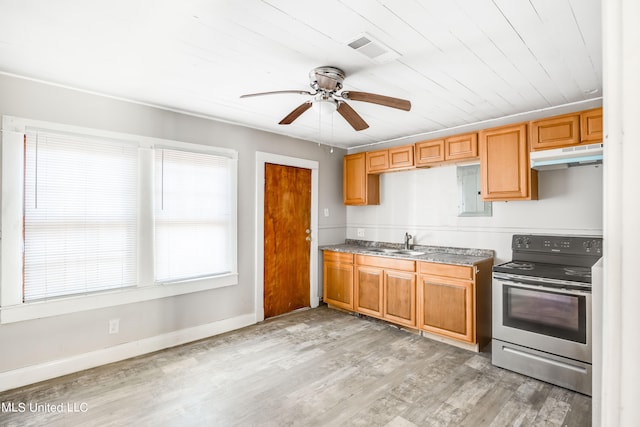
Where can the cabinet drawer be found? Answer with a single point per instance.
(447, 270)
(382, 262)
(341, 257)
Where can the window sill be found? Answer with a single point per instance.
(74, 304)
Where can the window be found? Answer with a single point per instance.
(93, 219)
(193, 223)
(79, 215)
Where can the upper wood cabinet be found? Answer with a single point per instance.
(401, 158)
(338, 279)
(458, 147)
(389, 160)
(377, 161)
(429, 152)
(461, 147)
(560, 131)
(505, 169)
(566, 130)
(591, 125)
(359, 187)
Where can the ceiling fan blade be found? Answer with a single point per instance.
(387, 101)
(299, 92)
(295, 113)
(351, 116)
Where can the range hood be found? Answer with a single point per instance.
(565, 157)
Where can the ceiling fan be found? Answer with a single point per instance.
(326, 82)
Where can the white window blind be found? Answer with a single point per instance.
(80, 214)
(194, 215)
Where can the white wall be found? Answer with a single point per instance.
(424, 202)
(47, 342)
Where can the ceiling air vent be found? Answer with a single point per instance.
(373, 49)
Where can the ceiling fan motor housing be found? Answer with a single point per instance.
(326, 78)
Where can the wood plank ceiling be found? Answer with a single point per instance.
(458, 61)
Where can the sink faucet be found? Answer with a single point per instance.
(407, 237)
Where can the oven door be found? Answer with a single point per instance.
(549, 319)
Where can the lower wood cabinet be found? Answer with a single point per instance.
(338, 279)
(452, 301)
(386, 288)
(369, 290)
(399, 301)
(447, 307)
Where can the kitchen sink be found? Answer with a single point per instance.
(383, 250)
(407, 252)
(394, 251)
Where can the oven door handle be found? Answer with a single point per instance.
(540, 286)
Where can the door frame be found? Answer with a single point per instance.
(261, 159)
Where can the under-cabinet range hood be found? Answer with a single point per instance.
(565, 157)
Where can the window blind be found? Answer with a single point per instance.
(193, 215)
(79, 215)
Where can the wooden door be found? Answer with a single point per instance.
(287, 244)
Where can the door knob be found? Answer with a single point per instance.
(307, 231)
(308, 239)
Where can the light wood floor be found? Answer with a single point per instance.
(317, 367)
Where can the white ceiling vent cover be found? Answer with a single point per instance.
(372, 48)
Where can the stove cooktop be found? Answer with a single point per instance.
(544, 270)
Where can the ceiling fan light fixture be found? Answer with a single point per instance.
(325, 106)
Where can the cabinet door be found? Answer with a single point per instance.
(338, 284)
(369, 290)
(591, 125)
(401, 157)
(555, 132)
(358, 187)
(428, 152)
(504, 164)
(447, 308)
(400, 297)
(377, 161)
(461, 147)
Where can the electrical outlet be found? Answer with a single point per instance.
(326, 211)
(360, 232)
(114, 326)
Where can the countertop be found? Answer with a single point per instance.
(439, 254)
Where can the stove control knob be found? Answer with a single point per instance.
(518, 241)
(527, 241)
(587, 245)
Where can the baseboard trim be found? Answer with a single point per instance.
(56, 368)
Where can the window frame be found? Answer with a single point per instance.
(12, 308)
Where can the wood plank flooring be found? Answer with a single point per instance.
(317, 367)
